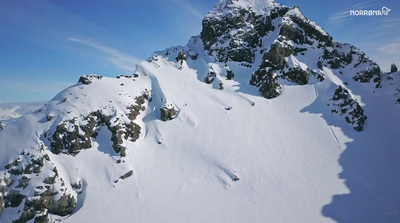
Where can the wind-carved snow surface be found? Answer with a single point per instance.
(225, 153)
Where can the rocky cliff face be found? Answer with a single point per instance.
(31, 183)
(276, 45)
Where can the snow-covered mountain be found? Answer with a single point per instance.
(246, 123)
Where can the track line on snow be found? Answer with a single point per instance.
(333, 132)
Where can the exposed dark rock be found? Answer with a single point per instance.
(42, 219)
(264, 25)
(87, 79)
(369, 74)
(123, 76)
(126, 175)
(16, 171)
(393, 68)
(267, 82)
(181, 56)
(50, 180)
(241, 55)
(297, 75)
(320, 65)
(63, 206)
(28, 169)
(297, 51)
(71, 142)
(210, 77)
(291, 33)
(345, 105)
(137, 108)
(2, 126)
(23, 182)
(311, 32)
(116, 138)
(168, 112)
(26, 216)
(77, 186)
(276, 56)
(229, 74)
(41, 202)
(132, 131)
(14, 199)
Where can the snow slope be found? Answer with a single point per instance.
(100, 152)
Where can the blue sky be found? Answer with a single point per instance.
(46, 45)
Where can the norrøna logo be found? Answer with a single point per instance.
(385, 11)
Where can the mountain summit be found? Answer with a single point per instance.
(246, 123)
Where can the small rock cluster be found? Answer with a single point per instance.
(49, 196)
(168, 112)
(345, 105)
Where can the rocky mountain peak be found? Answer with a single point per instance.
(257, 6)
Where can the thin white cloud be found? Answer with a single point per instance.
(390, 23)
(391, 49)
(116, 57)
(340, 17)
(343, 16)
(361, 5)
(188, 7)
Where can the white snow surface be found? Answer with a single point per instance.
(283, 152)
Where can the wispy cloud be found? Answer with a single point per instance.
(340, 17)
(362, 5)
(391, 49)
(116, 57)
(188, 7)
(344, 17)
(390, 23)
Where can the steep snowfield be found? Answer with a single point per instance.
(283, 152)
(285, 159)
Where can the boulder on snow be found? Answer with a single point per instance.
(87, 79)
(229, 74)
(63, 206)
(393, 68)
(168, 112)
(2, 126)
(210, 77)
(181, 56)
